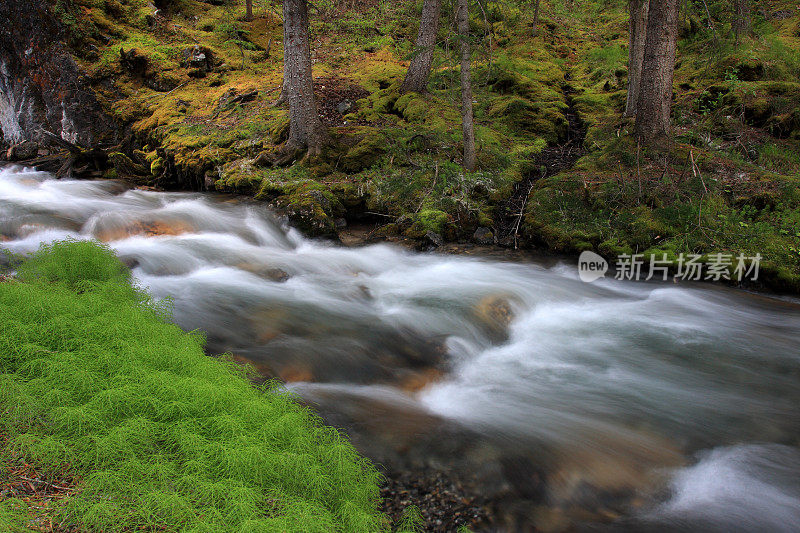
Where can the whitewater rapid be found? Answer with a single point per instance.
(684, 396)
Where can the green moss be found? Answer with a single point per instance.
(157, 166)
(365, 153)
(517, 113)
(429, 220)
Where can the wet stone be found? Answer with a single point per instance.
(483, 236)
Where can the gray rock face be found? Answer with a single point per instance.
(434, 239)
(40, 84)
(483, 236)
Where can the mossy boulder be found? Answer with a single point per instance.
(517, 113)
(311, 206)
(430, 220)
(413, 106)
(364, 153)
(758, 111)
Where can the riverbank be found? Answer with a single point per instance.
(126, 430)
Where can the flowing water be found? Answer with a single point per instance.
(608, 406)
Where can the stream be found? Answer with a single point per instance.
(546, 402)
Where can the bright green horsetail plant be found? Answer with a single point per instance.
(94, 379)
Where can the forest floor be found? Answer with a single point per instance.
(557, 169)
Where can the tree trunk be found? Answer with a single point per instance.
(638, 32)
(535, 18)
(416, 79)
(658, 66)
(466, 86)
(306, 130)
(249, 6)
(742, 22)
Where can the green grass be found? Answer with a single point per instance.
(95, 381)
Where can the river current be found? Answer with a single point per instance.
(623, 406)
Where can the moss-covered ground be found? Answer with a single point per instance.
(119, 418)
(728, 185)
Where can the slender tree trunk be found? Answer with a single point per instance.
(419, 71)
(535, 18)
(306, 130)
(249, 6)
(638, 32)
(742, 22)
(658, 67)
(466, 86)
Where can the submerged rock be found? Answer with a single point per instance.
(494, 315)
(275, 274)
(149, 228)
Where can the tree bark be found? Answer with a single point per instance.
(658, 67)
(466, 86)
(419, 71)
(306, 130)
(535, 18)
(249, 7)
(638, 32)
(741, 24)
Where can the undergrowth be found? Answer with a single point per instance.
(95, 380)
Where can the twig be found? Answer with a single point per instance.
(521, 212)
(170, 91)
(696, 172)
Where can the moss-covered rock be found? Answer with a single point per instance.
(364, 153)
(429, 220)
(546, 121)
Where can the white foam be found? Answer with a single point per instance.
(739, 488)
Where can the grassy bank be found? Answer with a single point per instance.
(104, 398)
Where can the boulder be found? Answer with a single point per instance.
(433, 239)
(41, 86)
(345, 106)
(198, 59)
(483, 235)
